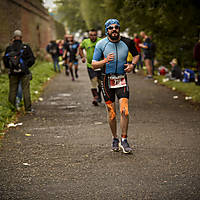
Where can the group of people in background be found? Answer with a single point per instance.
(66, 49)
(69, 50)
(146, 49)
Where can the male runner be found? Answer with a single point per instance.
(114, 51)
(66, 55)
(72, 48)
(89, 45)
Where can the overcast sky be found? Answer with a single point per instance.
(49, 4)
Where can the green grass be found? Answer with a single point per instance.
(188, 89)
(41, 71)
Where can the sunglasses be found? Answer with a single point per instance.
(113, 27)
(92, 35)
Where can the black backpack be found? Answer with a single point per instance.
(16, 61)
(53, 49)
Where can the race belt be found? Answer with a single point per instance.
(115, 81)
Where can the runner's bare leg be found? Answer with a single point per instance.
(112, 120)
(124, 120)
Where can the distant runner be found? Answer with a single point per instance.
(72, 48)
(89, 45)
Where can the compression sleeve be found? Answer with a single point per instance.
(133, 49)
(131, 46)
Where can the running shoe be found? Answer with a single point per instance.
(76, 75)
(124, 146)
(115, 145)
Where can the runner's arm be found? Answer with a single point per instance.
(130, 66)
(82, 54)
(135, 59)
(101, 63)
(143, 46)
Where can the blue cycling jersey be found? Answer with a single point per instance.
(119, 49)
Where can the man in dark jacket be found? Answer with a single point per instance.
(18, 58)
(52, 48)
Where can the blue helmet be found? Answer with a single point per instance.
(109, 22)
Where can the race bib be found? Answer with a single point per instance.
(117, 81)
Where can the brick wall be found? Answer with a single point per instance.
(37, 26)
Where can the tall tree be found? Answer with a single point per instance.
(69, 11)
(174, 24)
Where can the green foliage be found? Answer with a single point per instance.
(6, 111)
(173, 24)
(60, 31)
(69, 11)
(41, 71)
(92, 17)
(86, 14)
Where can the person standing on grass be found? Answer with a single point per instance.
(18, 58)
(110, 55)
(146, 46)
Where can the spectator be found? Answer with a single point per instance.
(137, 42)
(153, 54)
(60, 47)
(18, 58)
(176, 72)
(146, 46)
(52, 48)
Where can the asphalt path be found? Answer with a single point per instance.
(63, 150)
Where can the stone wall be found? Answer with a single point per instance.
(37, 26)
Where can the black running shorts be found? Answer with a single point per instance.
(109, 93)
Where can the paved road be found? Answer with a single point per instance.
(67, 154)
